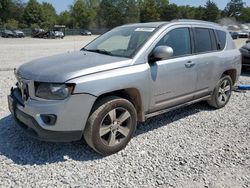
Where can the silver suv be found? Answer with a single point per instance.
(129, 74)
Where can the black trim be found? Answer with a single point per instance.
(213, 40)
(218, 40)
(32, 129)
(192, 39)
(17, 96)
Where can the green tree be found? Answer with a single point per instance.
(186, 12)
(49, 15)
(93, 5)
(132, 11)
(16, 10)
(81, 14)
(199, 13)
(211, 12)
(11, 24)
(233, 8)
(65, 19)
(33, 13)
(170, 12)
(149, 10)
(245, 15)
(11, 12)
(112, 13)
(4, 10)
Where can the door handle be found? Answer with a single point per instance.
(189, 64)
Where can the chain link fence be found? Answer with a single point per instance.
(68, 32)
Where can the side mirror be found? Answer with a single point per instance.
(162, 53)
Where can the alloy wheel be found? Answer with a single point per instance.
(224, 92)
(115, 126)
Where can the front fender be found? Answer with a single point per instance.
(117, 79)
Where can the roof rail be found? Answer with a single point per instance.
(192, 20)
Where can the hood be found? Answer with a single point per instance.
(63, 67)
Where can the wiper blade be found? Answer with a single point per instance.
(100, 51)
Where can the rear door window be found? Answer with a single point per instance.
(203, 42)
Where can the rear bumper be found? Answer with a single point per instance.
(245, 56)
(246, 61)
(70, 131)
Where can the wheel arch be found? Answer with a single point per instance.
(131, 94)
(232, 73)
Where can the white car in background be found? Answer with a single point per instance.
(244, 34)
(233, 27)
(59, 34)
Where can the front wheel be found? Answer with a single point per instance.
(222, 92)
(111, 125)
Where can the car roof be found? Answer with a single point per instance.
(148, 24)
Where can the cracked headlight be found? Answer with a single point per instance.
(53, 91)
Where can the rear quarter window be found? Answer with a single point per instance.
(221, 36)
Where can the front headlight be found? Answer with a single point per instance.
(52, 91)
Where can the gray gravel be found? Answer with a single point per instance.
(194, 146)
(14, 52)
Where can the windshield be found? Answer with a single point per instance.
(121, 41)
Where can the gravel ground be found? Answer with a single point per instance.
(27, 49)
(194, 146)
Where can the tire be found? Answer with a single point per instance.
(222, 92)
(111, 125)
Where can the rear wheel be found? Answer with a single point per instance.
(111, 125)
(222, 92)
